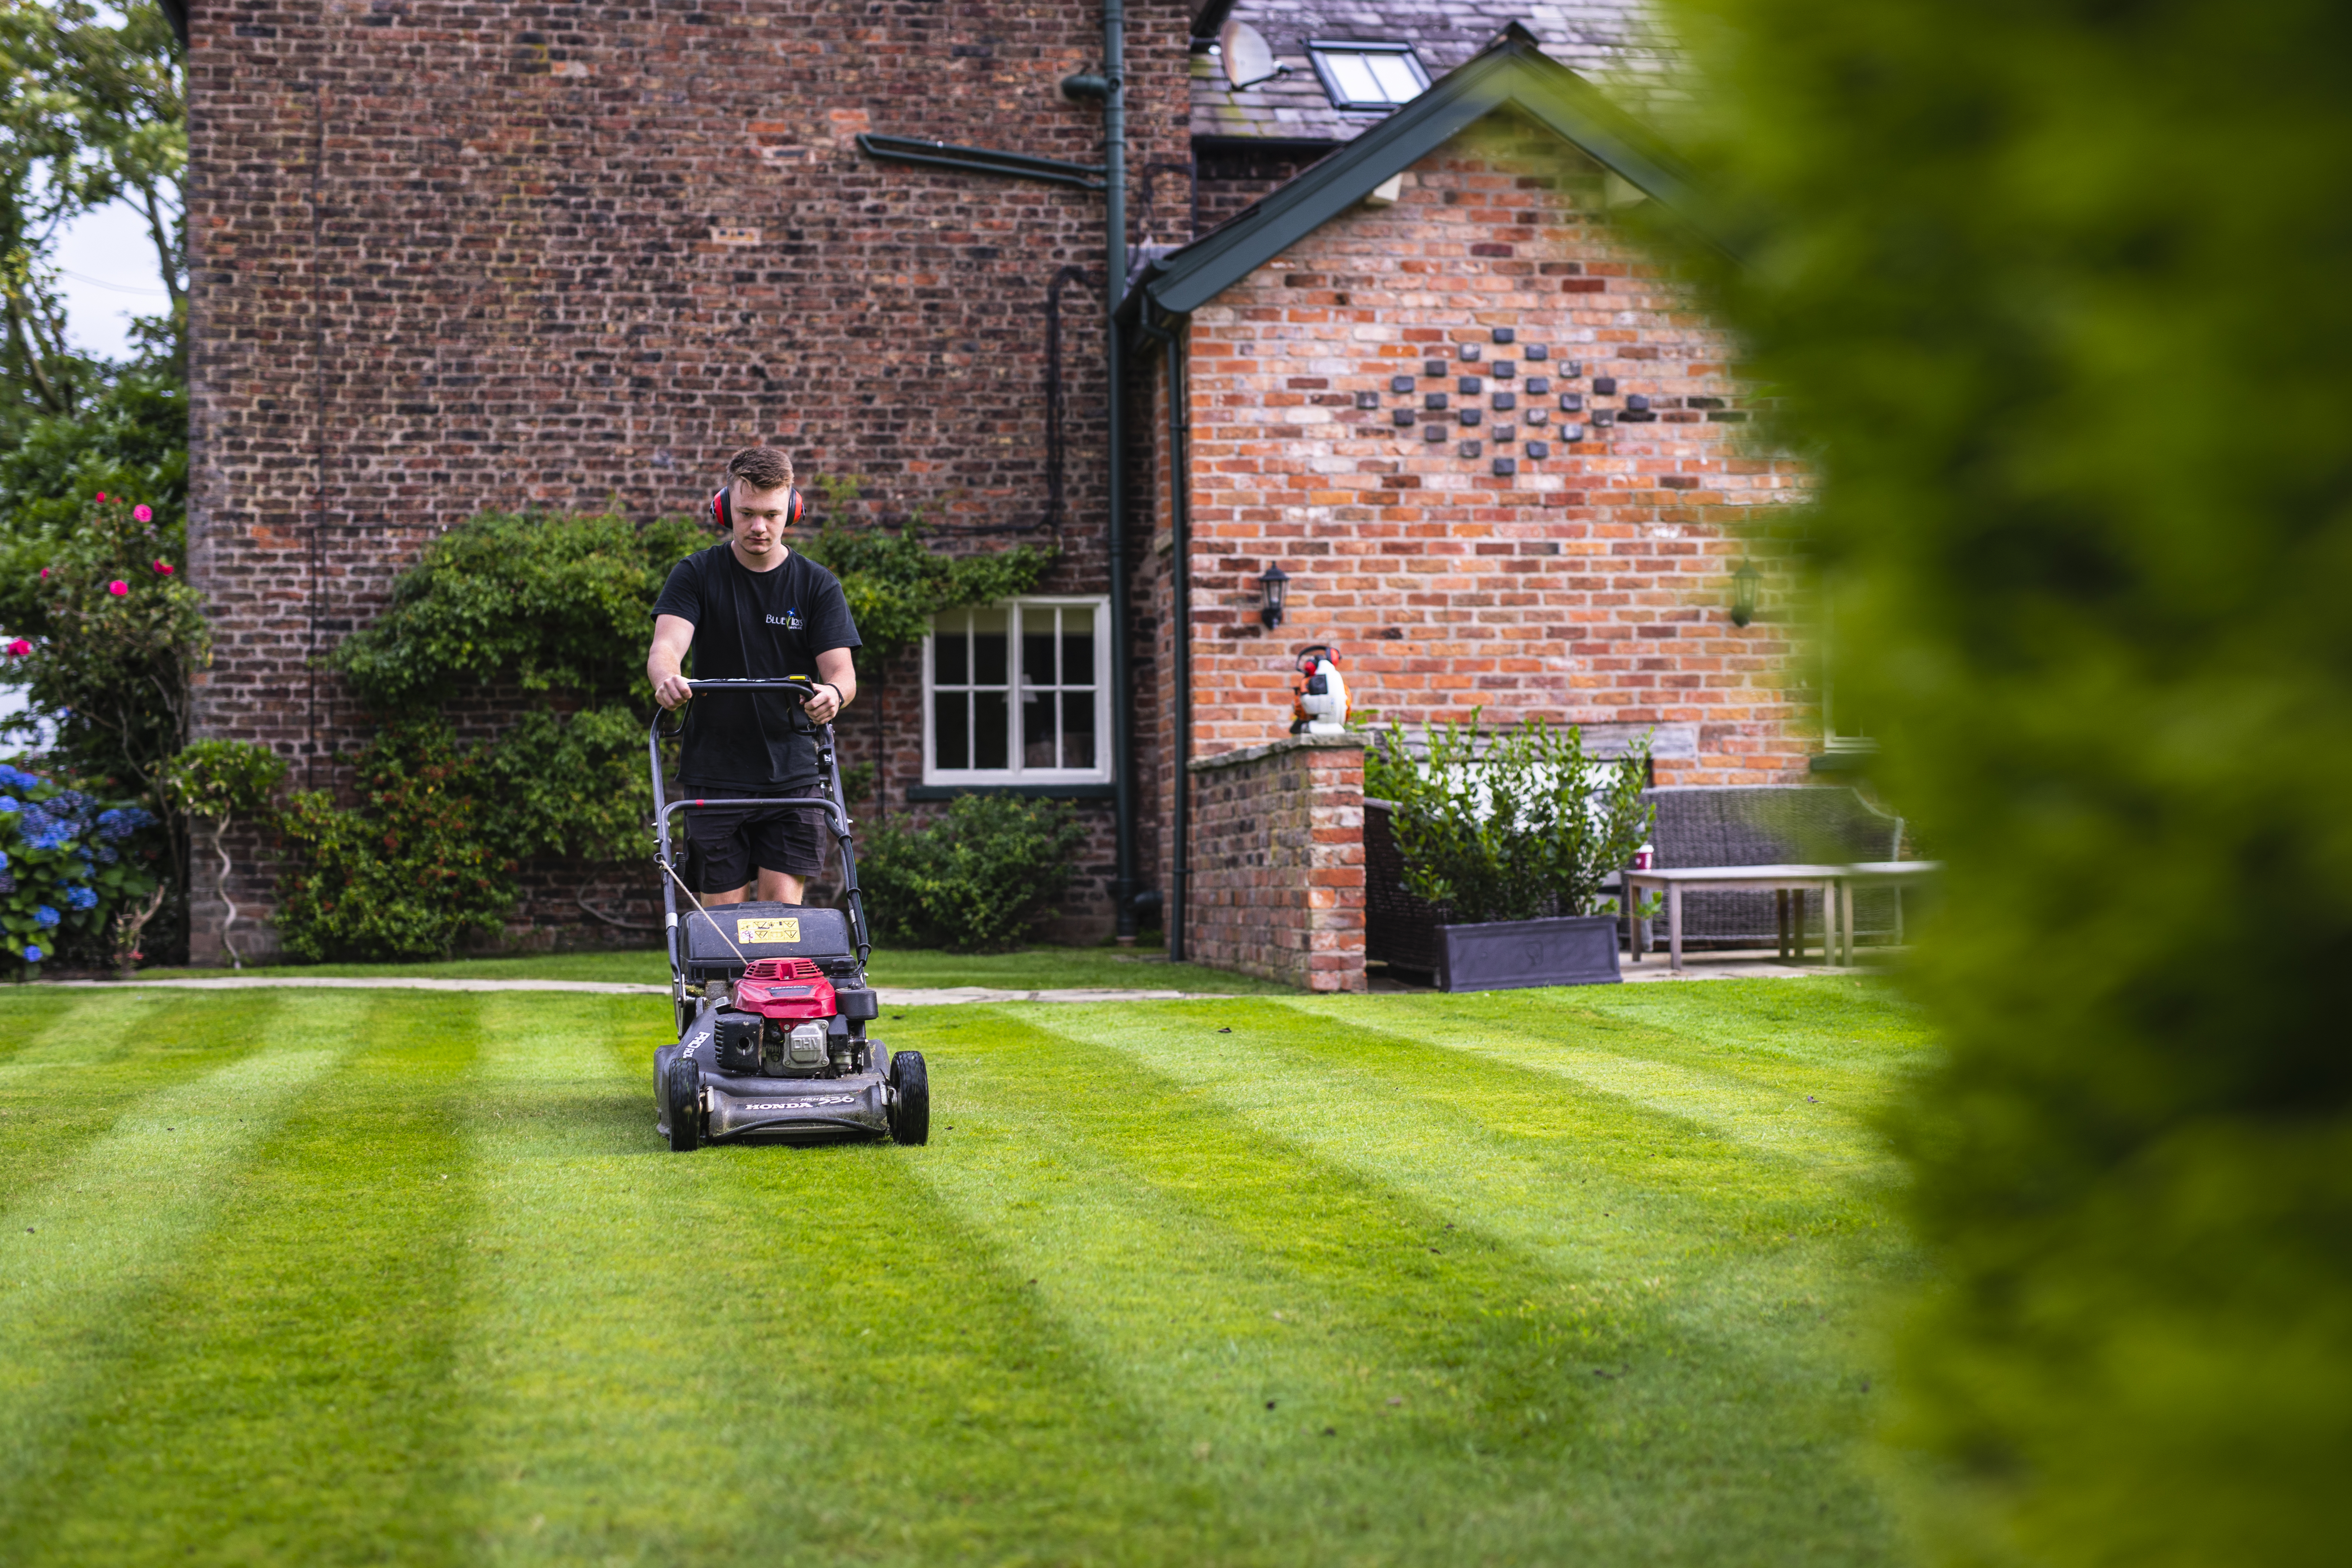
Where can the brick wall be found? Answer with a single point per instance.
(1592, 585)
(1277, 884)
(448, 256)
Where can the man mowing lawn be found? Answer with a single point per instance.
(752, 607)
(1533, 1278)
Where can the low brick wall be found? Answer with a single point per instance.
(1277, 882)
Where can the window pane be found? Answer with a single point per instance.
(988, 649)
(948, 663)
(1037, 645)
(1396, 75)
(1077, 729)
(1037, 731)
(1355, 79)
(1079, 647)
(951, 733)
(992, 740)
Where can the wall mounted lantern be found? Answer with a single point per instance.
(1275, 584)
(1744, 578)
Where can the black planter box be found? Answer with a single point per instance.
(1508, 955)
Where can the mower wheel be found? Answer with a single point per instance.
(685, 1106)
(910, 1112)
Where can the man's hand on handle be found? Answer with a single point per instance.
(671, 692)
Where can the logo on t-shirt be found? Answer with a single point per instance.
(789, 620)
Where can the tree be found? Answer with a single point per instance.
(92, 113)
(2055, 293)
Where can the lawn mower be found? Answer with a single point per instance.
(770, 999)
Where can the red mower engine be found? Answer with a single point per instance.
(785, 1022)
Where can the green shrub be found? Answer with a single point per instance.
(570, 785)
(976, 880)
(219, 782)
(546, 601)
(1512, 826)
(407, 875)
(2055, 293)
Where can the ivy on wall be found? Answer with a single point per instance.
(559, 608)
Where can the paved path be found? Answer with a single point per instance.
(1727, 967)
(892, 996)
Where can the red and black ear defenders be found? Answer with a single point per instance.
(722, 510)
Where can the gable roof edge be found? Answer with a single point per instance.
(1513, 71)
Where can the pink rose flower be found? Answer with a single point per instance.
(45, 574)
(101, 495)
(164, 567)
(18, 648)
(118, 587)
(143, 513)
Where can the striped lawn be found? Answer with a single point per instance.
(1562, 1276)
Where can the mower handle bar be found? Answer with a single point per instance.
(799, 687)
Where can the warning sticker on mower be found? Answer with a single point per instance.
(785, 929)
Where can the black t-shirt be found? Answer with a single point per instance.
(752, 626)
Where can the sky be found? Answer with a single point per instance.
(107, 273)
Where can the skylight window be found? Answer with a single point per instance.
(1368, 76)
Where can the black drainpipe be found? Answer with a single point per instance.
(1122, 714)
(1180, 609)
(1112, 88)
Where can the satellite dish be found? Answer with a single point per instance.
(1249, 58)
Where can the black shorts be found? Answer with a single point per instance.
(731, 841)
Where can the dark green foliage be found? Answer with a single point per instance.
(217, 781)
(544, 601)
(979, 880)
(411, 872)
(2055, 293)
(223, 780)
(569, 785)
(896, 582)
(1515, 826)
(559, 604)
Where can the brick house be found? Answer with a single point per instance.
(1495, 450)
(448, 258)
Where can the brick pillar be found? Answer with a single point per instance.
(1278, 883)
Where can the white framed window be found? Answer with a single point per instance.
(1018, 693)
(1368, 76)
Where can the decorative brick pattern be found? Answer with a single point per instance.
(1277, 885)
(449, 257)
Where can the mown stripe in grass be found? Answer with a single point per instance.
(1459, 1045)
(113, 1223)
(767, 1354)
(1830, 1029)
(285, 1397)
(1253, 1268)
(73, 1068)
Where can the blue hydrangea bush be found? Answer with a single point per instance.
(69, 862)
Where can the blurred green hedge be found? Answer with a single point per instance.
(2059, 297)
